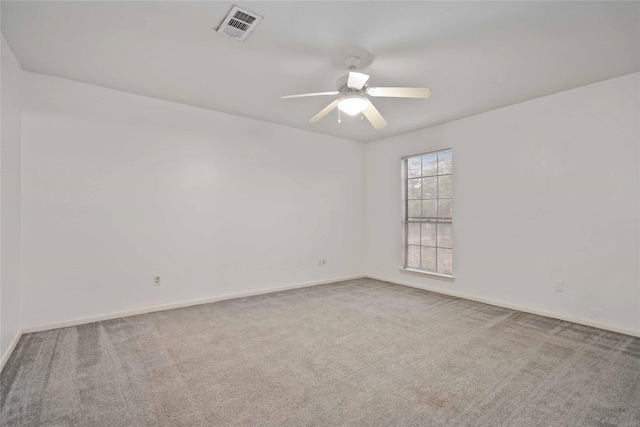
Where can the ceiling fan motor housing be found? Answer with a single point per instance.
(341, 85)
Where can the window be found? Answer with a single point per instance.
(427, 180)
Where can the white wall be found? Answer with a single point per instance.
(543, 190)
(11, 93)
(119, 187)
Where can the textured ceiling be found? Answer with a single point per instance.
(475, 56)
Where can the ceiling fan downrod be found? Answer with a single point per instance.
(352, 62)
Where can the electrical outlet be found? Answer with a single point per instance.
(559, 286)
(156, 280)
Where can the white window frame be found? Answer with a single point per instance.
(405, 220)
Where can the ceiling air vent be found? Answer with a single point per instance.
(239, 23)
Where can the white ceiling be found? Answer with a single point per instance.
(475, 56)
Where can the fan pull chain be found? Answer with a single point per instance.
(339, 121)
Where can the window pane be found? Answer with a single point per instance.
(430, 188)
(414, 167)
(444, 235)
(428, 259)
(414, 188)
(444, 261)
(444, 162)
(444, 186)
(413, 233)
(413, 207)
(429, 209)
(430, 165)
(429, 192)
(413, 256)
(444, 208)
(428, 234)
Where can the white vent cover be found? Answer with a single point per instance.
(239, 23)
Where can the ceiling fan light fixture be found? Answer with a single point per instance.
(352, 105)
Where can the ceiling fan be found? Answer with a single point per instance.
(353, 89)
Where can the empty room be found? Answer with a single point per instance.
(306, 213)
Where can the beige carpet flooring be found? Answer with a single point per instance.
(355, 353)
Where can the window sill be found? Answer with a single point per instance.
(437, 276)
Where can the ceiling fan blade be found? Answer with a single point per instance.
(356, 80)
(326, 110)
(302, 95)
(400, 92)
(373, 115)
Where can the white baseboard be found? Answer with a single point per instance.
(81, 321)
(530, 310)
(117, 315)
(7, 353)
